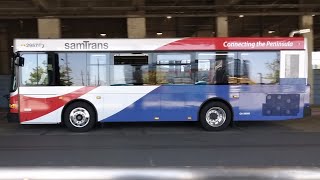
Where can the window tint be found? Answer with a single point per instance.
(173, 69)
(260, 67)
(73, 69)
(132, 59)
(130, 69)
(129, 75)
(98, 70)
(292, 66)
(214, 67)
(35, 71)
(238, 67)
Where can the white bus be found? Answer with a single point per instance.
(79, 82)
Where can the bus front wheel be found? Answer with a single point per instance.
(79, 117)
(215, 116)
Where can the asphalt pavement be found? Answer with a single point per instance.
(294, 143)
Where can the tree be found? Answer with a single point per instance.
(65, 78)
(274, 67)
(38, 76)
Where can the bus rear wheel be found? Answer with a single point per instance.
(79, 117)
(215, 116)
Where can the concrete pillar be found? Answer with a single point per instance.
(4, 52)
(306, 22)
(49, 28)
(222, 26)
(136, 27)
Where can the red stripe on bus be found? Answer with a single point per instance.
(236, 43)
(32, 108)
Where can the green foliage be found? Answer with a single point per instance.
(65, 78)
(38, 76)
(274, 67)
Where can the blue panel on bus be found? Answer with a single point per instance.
(293, 81)
(145, 109)
(182, 102)
(176, 103)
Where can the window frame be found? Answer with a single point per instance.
(152, 64)
(21, 83)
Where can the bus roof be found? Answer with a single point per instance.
(185, 44)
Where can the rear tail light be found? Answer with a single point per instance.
(13, 105)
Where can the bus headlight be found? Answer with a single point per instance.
(13, 106)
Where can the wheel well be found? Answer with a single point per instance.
(82, 101)
(215, 100)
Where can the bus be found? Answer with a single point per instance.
(216, 81)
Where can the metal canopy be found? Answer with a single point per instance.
(154, 8)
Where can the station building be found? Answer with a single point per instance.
(157, 19)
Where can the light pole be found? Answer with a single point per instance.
(300, 31)
(309, 56)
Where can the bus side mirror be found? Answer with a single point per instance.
(20, 61)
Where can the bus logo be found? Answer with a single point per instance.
(86, 45)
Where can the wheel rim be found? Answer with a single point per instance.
(79, 117)
(216, 116)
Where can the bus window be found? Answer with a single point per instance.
(35, 70)
(173, 68)
(130, 69)
(73, 70)
(292, 66)
(260, 67)
(214, 67)
(97, 69)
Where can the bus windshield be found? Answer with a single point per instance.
(13, 84)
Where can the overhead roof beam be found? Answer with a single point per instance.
(139, 4)
(233, 2)
(41, 4)
(103, 14)
(271, 27)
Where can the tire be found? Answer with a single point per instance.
(209, 116)
(79, 117)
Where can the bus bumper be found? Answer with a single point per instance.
(13, 117)
(306, 111)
